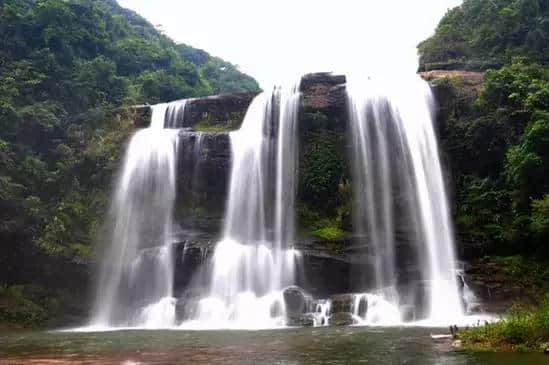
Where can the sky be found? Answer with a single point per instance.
(275, 41)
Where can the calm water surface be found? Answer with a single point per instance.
(347, 345)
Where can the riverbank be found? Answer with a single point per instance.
(524, 329)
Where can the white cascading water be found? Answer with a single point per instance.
(374, 310)
(136, 279)
(321, 312)
(253, 262)
(397, 173)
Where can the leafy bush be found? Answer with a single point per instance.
(330, 232)
(540, 216)
(522, 329)
(22, 305)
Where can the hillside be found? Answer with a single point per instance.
(67, 69)
(482, 34)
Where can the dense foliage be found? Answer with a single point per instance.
(485, 33)
(67, 69)
(499, 155)
(323, 189)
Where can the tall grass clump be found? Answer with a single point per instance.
(523, 329)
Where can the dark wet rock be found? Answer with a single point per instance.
(342, 303)
(190, 264)
(495, 290)
(224, 111)
(295, 300)
(362, 307)
(341, 319)
(203, 172)
(326, 271)
(323, 91)
(141, 115)
(300, 320)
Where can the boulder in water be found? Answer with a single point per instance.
(341, 319)
(362, 307)
(295, 300)
(300, 320)
(342, 303)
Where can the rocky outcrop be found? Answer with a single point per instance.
(496, 290)
(203, 171)
(323, 91)
(454, 92)
(216, 113)
(221, 112)
(341, 319)
(225, 112)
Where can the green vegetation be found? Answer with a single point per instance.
(18, 305)
(523, 329)
(330, 232)
(525, 271)
(481, 34)
(324, 191)
(529, 273)
(498, 151)
(68, 69)
(208, 125)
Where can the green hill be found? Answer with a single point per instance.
(66, 69)
(481, 34)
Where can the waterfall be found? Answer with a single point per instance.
(401, 210)
(136, 276)
(403, 234)
(254, 262)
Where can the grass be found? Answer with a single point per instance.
(212, 128)
(208, 125)
(329, 233)
(328, 229)
(523, 330)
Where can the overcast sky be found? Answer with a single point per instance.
(276, 40)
